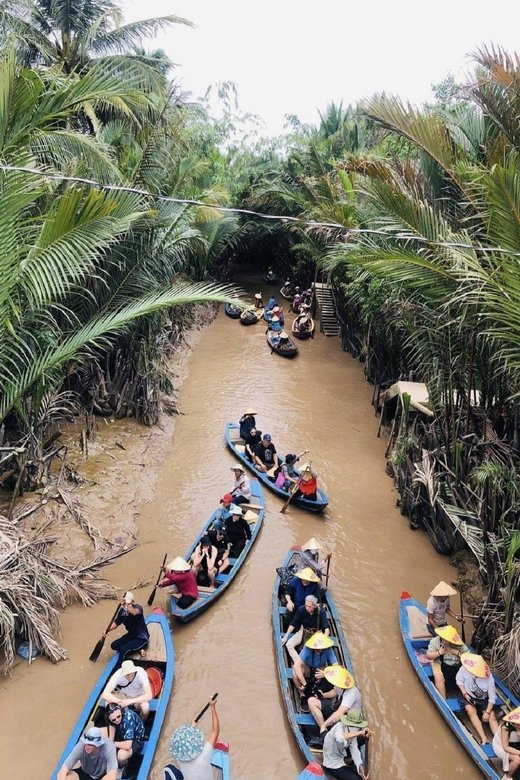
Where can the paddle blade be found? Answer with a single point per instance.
(151, 597)
(97, 650)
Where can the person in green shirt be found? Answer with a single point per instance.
(444, 652)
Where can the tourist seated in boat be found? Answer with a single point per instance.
(252, 441)
(310, 557)
(329, 709)
(246, 423)
(219, 540)
(259, 304)
(224, 511)
(341, 745)
(126, 730)
(204, 562)
(130, 615)
(275, 326)
(178, 574)
(316, 655)
(303, 322)
(129, 685)
(304, 583)
(94, 756)
(192, 752)
(278, 312)
(287, 476)
(307, 619)
(438, 606)
(296, 302)
(477, 693)
(266, 458)
(242, 491)
(444, 652)
(271, 303)
(237, 530)
(506, 743)
(307, 483)
(270, 275)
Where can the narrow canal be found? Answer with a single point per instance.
(318, 401)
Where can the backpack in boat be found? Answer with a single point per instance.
(155, 679)
(286, 573)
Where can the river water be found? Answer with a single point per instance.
(319, 401)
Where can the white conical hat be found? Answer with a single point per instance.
(443, 589)
(312, 544)
(178, 564)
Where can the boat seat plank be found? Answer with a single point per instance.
(304, 719)
(417, 623)
(288, 672)
(282, 610)
(156, 650)
(454, 705)
(488, 750)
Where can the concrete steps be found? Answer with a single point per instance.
(327, 311)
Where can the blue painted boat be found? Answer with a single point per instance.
(236, 445)
(311, 772)
(221, 761)
(232, 311)
(160, 654)
(303, 724)
(208, 596)
(412, 620)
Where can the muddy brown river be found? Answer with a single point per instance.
(319, 401)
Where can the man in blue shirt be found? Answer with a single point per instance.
(131, 617)
(126, 731)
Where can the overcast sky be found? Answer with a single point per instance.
(296, 56)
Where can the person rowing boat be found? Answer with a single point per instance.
(307, 483)
(242, 491)
(309, 557)
(191, 751)
(178, 574)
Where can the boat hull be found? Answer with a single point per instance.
(302, 334)
(208, 597)
(251, 316)
(311, 772)
(410, 612)
(232, 311)
(236, 445)
(289, 350)
(140, 765)
(303, 725)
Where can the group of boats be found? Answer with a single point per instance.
(277, 339)
(160, 657)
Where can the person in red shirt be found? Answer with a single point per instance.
(307, 483)
(178, 572)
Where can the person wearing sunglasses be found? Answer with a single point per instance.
(93, 758)
(126, 730)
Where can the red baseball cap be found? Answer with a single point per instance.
(228, 499)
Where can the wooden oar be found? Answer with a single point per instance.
(462, 628)
(327, 572)
(297, 485)
(151, 597)
(203, 710)
(99, 647)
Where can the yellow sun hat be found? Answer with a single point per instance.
(339, 677)
(475, 664)
(178, 564)
(449, 634)
(319, 641)
(307, 574)
(443, 589)
(312, 544)
(249, 411)
(250, 515)
(513, 716)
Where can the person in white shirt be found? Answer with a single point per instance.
(191, 752)
(130, 685)
(242, 491)
(438, 606)
(327, 708)
(506, 743)
(342, 742)
(477, 693)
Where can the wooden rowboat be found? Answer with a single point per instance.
(412, 620)
(303, 326)
(221, 761)
(208, 596)
(311, 772)
(159, 655)
(284, 347)
(287, 296)
(232, 311)
(303, 724)
(251, 316)
(237, 447)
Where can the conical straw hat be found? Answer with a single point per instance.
(449, 634)
(475, 664)
(307, 574)
(443, 589)
(250, 515)
(178, 564)
(319, 641)
(339, 676)
(312, 544)
(513, 717)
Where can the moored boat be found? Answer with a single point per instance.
(303, 724)
(303, 326)
(232, 311)
(237, 446)
(159, 655)
(281, 343)
(221, 761)
(412, 621)
(287, 292)
(208, 595)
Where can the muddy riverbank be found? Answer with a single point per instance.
(319, 401)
